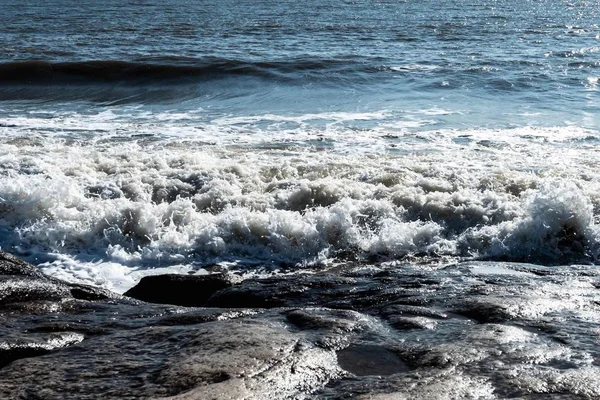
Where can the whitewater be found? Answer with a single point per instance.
(105, 201)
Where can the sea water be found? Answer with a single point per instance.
(265, 136)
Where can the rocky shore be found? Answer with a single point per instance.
(473, 330)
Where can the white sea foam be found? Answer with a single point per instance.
(103, 200)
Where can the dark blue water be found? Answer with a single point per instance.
(171, 135)
(489, 60)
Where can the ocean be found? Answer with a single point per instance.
(280, 137)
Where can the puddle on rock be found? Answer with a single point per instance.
(365, 360)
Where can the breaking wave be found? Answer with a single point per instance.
(177, 201)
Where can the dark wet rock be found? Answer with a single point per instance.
(338, 321)
(182, 290)
(401, 323)
(248, 356)
(23, 286)
(11, 265)
(402, 316)
(323, 290)
(82, 292)
(406, 310)
(470, 331)
(85, 341)
(234, 350)
(21, 348)
(307, 290)
(21, 289)
(486, 310)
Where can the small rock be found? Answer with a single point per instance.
(181, 290)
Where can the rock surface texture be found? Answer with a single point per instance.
(474, 330)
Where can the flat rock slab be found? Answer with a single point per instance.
(460, 332)
(182, 290)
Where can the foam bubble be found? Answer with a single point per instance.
(558, 224)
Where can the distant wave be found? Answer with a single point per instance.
(160, 79)
(165, 70)
(166, 79)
